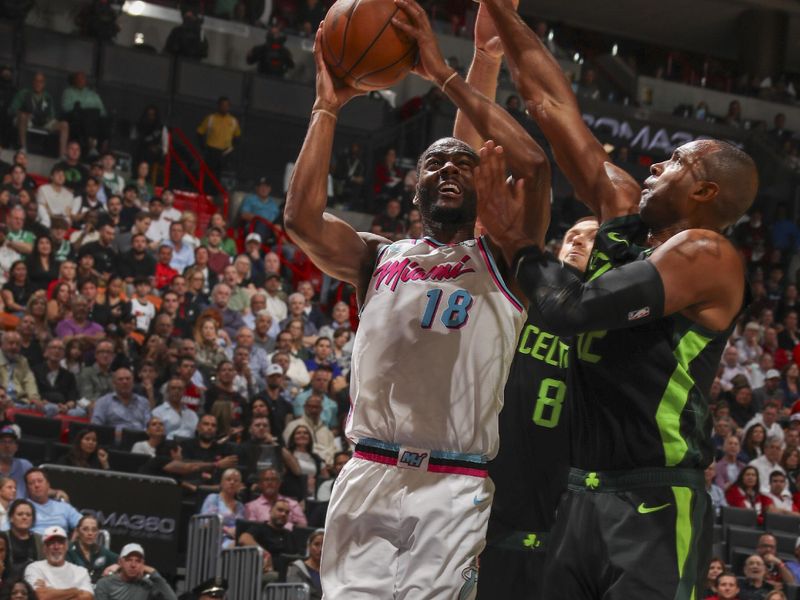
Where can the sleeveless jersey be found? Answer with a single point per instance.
(534, 437)
(433, 348)
(639, 396)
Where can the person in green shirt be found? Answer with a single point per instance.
(86, 552)
(35, 107)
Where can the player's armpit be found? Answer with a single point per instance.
(566, 305)
(703, 277)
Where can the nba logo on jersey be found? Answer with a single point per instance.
(413, 458)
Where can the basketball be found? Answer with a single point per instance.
(363, 48)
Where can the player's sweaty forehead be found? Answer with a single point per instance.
(450, 148)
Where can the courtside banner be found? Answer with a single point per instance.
(133, 508)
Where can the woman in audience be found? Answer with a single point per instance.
(155, 435)
(226, 505)
(17, 589)
(753, 443)
(728, 467)
(86, 552)
(146, 385)
(790, 461)
(225, 403)
(715, 568)
(244, 268)
(744, 493)
(790, 384)
(189, 220)
(37, 309)
(115, 299)
(24, 546)
(17, 289)
(341, 355)
(196, 298)
(210, 338)
(85, 453)
(307, 570)
(58, 307)
(86, 268)
(301, 444)
(8, 493)
(775, 595)
(73, 356)
(67, 273)
(296, 327)
(42, 265)
(142, 182)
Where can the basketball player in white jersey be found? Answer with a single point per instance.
(439, 324)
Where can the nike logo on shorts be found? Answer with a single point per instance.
(644, 510)
(478, 501)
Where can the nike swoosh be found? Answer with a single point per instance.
(643, 510)
(478, 501)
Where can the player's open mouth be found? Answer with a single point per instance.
(449, 189)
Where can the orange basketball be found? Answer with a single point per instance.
(363, 48)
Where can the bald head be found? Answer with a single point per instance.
(736, 175)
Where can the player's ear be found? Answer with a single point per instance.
(704, 191)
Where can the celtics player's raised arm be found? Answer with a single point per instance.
(607, 190)
(525, 158)
(332, 244)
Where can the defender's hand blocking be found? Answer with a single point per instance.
(487, 39)
(501, 202)
(330, 96)
(431, 65)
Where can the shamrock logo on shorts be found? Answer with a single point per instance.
(592, 481)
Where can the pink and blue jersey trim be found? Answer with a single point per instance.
(440, 461)
(496, 276)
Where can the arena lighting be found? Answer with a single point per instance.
(576, 57)
(614, 50)
(136, 8)
(138, 38)
(551, 35)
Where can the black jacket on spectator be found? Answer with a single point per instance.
(273, 58)
(32, 352)
(100, 314)
(187, 40)
(274, 541)
(64, 389)
(132, 266)
(105, 259)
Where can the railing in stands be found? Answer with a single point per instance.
(204, 175)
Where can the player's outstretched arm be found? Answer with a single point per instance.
(607, 190)
(696, 272)
(333, 245)
(525, 158)
(483, 73)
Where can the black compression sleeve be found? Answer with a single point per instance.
(566, 305)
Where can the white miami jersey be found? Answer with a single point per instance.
(432, 352)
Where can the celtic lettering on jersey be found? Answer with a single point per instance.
(393, 272)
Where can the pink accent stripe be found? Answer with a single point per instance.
(497, 282)
(379, 458)
(457, 470)
(430, 243)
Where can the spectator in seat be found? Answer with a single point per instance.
(714, 491)
(8, 493)
(273, 58)
(794, 565)
(323, 354)
(754, 586)
(301, 480)
(219, 132)
(388, 178)
(18, 238)
(715, 568)
(322, 438)
(122, 408)
(778, 498)
(261, 205)
(340, 459)
(307, 570)
(776, 571)
(731, 368)
(54, 578)
(231, 319)
(137, 261)
(16, 376)
(164, 273)
(84, 110)
(155, 435)
(222, 401)
(35, 107)
(96, 381)
(753, 443)
(745, 492)
(768, 462)
(134, 579)
(277, 399)
(218, 259)
(80, 327)
(150, 134)
(390, 224)
(182, 253)
(186, 40)
(10, 466)
(85, 453)
(727, 587)
(789, 336)
(728, 467)
(273, 285)
(24, 544)
(226, 505)
(49, 512)
(55, 197)
(349, 176)
(58, 387)
(297, 310)
(269, 484)
(320, 383)
(742, 409)
(273, 536)
(771, 390)
(75, 173)
(85, 552)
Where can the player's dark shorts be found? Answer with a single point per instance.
(621, 535)
(511, 565)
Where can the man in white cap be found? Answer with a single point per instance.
(133, 580)
(771, 390)
(54, 578)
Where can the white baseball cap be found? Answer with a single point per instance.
(131, 549)
(274, 369)
(772, 374)
(253, 237)
(54, 532)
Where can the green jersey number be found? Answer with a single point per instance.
(549, 403)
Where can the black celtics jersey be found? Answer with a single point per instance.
(530, 469)
(639, 396)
